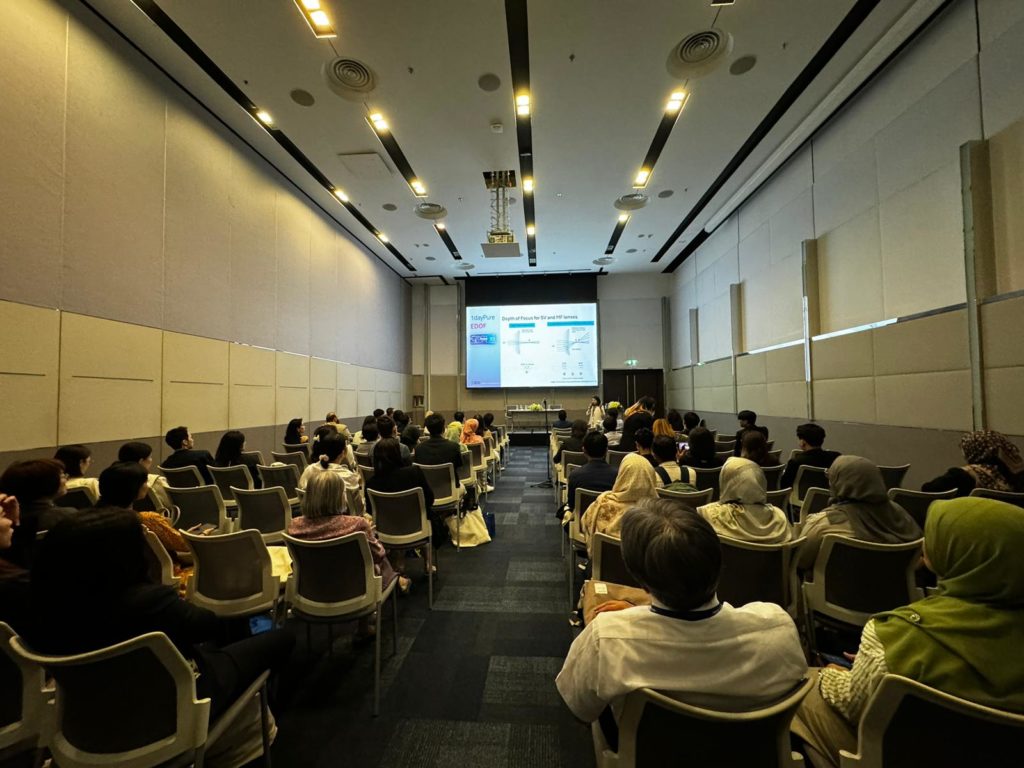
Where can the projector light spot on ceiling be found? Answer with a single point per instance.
(742, 65)
(489, 82)
(302, 98)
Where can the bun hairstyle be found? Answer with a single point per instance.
(331, 447)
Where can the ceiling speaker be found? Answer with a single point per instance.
(349, 78)
(699, 53)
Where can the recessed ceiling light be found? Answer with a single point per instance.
(319, 18)
(527, 185)
(623, 218)
(311, 5)
(531, 230)
(440, 225)
(523, 104)
(382, 237)
(341, 195)
(418, 188)
(642, 177)
(264, 117)
(676, 101)
(378, 122)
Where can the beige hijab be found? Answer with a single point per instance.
(636, 480)
(743, 511)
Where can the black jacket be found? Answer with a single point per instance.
(401, 479)
(639, 420)
(438, 450)
(738, 448)
(816, 457)
(201, 460)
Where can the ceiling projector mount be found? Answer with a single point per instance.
(501, 242)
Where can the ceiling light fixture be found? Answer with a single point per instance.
(721, 3)
(317, 19)
(523, 105)
(441, 225)
(382, 237)
(623, 218)
(264, 117)
(311, 5)
(418, 188)
(531, 230)
(528, 185)
(380, 125)
(676, 101)
(642, 177)
(341, 195)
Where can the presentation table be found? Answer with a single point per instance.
(519, 417)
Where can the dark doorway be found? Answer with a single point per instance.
(629, 385)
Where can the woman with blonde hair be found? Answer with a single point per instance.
(636, 480)
(662, 428)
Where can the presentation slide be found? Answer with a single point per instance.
(534, 345)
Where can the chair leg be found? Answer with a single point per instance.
(430, 576)
(200, 757)
(265, 724)
(330, 639)
(572, 567)
(309, 636)
(394, 611)
(458, 531)
(376, 664)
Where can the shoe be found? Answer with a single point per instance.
(404, 584)
(583, 564)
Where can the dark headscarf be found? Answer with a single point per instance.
(992, 459)
(858, 496)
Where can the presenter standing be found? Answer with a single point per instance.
(595, 413)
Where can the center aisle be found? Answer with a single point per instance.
(473, 681)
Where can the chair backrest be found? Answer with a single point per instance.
(257, 455)
(780, 499)
(808, 477)
(708, 478)
(759, 572)
(815, 501)
(302, 448)
(656, 730)
(331, 577)
(561, 431)
(226, 478)
(607, 562)
(131, 704)
(854, 579)
(400, 518)
(693, 498)
(182, 477)
(266, 510)
(579, 458)
(959, 732)
(775, 456)
(199, 506)
(443, 482)
(158, 561)
(584, 498)
(724, 445)
(615, 457)
(365, 473)
(724, 454)
(232, 575)
(772, 475)
(465, 472)
(917, 502)
(286, 477)
(893, 476)
(476, 450)
(81, 497)
(23, 700)
(295, 458)
(364, 459)
(1017, 499)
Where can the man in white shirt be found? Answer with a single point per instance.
(687, 644)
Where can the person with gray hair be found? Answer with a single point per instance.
(687, 643)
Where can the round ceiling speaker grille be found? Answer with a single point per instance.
(349, 78)
(631, 202)
(464, 266)
(302, 98)
(431, 211)
(699, 53)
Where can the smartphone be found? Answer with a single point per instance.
(683, 446)
(260, 624)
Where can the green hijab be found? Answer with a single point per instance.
(454, 432)
(966, 639)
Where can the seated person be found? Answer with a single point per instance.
(858, 507)
(231, 453)
(597, 474)
(809, 438)
(76, 460)
(611, 431)
(453, 432)
(15, 597)
(437, 449)
(410, 436)
(634, 482)
(691, 421)
(643, 439)
(331, 459)
(755, 448)
(675, 420)
(640, 415)
(993, 462)
(181, 442)
(687, 644)
(386, 427)
(668, 470)
(963, 640)
(329, 430)
(332, 419)
(662, 428)
(748, 422)
(35, 484)
(743, 511)
(401, 419)
(142, 453)
(700, 450)
(295, 433)
(574, 442)
(370, 436)
(562, 421)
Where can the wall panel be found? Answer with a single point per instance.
(253, 396)
(292, 387)
(195, 383)
(323, 393)
(29, 359)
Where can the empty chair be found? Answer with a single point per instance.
(807, 477)
(200, 506)
(958, 732)
(134, 704)
(607, 561)
(333, 580)
(657, 730)
(759, 572)
(158, 560)
(233, 574)
(257, 455)
(295, 458)
(227, 478)
(615, 457)
(917, 502)
(266, 510)
(1017, 499)
(893, 476)
(365, 473)
(24, 700)
(693, 498)
(402, 523)
(81, 497)
(723, 454)
(286, 477)
(182, 477)
(577, 541)
(476, 451)
(302, 448)
(364, 459)
(772, 475)
(775, 456)
(708, 479)
(466, 477)
(725, 445)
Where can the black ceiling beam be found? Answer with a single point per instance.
(518, 26)
(442, 232)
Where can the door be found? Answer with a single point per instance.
(629, 385)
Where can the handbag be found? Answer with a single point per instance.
(470, 532)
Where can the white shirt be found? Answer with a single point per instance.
(351, 478)
(737, 659)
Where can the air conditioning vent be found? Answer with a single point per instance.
(431, 211)
(633, 202)
(699, 53)
(349, 78)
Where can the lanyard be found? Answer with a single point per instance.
(687, 615)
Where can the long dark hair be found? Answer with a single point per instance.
(291, 434)
(229, 451)
(120, 484)
(72, 456)
(329, 448)
(702, 444)
(387, 456)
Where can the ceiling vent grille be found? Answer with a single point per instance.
(699, 53)
(431, 211)
(349, 78)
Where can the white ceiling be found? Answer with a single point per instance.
(598, 89)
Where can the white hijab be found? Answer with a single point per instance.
(743, 511)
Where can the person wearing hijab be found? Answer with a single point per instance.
(993, 462)
(858, 507)
(636, 480)
(743, 511)
(469, 434)
(453, 432)
(964, 639)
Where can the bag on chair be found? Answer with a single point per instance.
(471, 532)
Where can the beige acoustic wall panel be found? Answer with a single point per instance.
(253, 373)
(253, 259)
(292, 387)
(785, 365)
(33, 44)
(931, 400)
(195, 383)
(323, 393)
(851, 254)
(1006, 152)
(293, 243)
(367, 398)
(1004, 364)
(29, 359)
(327, 318)
(751, 369)
(934, 343)
(850, 399)
(110, 378)
(843, 357)
(347, 391)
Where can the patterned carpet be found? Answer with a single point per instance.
(473, 681)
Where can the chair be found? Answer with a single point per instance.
(333, 581)
(465, 474)
(363, 459)
(402, 523)
(286, 477)
(25, 698)
(893, 476)
(615, 457)
(657, 730)
(807, 477)
(577, 542)
(476, 451)
(161, 567)
(772, 475)
(561, 474)
(258, 455)
(81, 497)
(815, 501)
(724, 445)
(854, 580)
(759, 572)
(693, 498)
(302, 448)
(295, 458)
(1017, 499)
(447, 490)
(182, 477)
(134, 705)
(232, 575)
(959, 732)
(780, 499)
(606, 560)
(200, 506)
(917, 502)
(775, 456)
(227, 478)
(708, 478)
(723, 455)
(266, 510)
(365, 473)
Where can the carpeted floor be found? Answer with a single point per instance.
(473, 681)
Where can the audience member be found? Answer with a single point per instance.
(459, 416)
(611, 431)
(331, 458)
(378, 412)
(332, 419)
(181, 442)
(231, 453)
(642, 417)
(563, 421)
(389, 412)
(597, 474)
(809, 437)
(386, 428)
(76, 460)
(993, 462)
(35, 484)
(574, 442)
(295, 433)
(644, 441)
(700, 450)
(453, 432)
(329, 430)
(410, 436)
(370, 437)
(401, 419)
(743, 511)
(666, 467)
(437, 449)
(858, 506)
(755, 448)
(675, 420)
(469, 435)
(142, 453)
(963, 640)
(358, 439)
(748, 423)
(687, 644)
(615, 414)
(635, 481)
(14, 581)
(691, 421)
(595, 413)
(662, 428)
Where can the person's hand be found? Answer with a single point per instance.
(9, 508)
(850, 657)
(613, 605)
